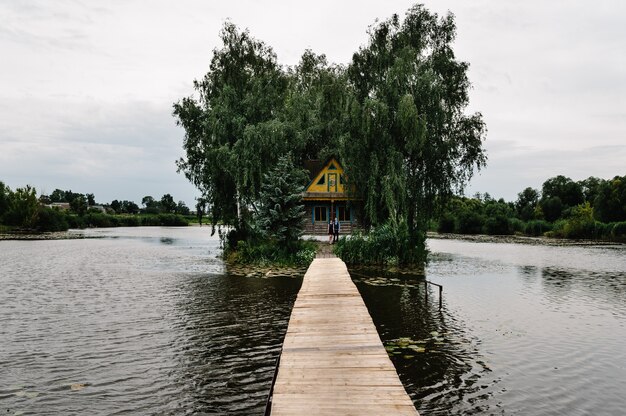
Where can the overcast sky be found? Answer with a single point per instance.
(86, 87)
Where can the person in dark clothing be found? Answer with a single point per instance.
(336, 230)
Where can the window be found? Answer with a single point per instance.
(344, 213)
(322, 180)
(340, 179)
(332, 166)
(320, 214)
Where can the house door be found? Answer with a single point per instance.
(332, 182)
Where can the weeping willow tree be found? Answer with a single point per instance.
(409, 143)
(232, 133)
(247, 112)
(396, 116)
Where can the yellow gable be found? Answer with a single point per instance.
(329, 179)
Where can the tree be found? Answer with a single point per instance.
(91, 199)
(409, 143)
(590, 188)
(526, 203)
(281, 212)
(182, 208)
(147, 201)
(314, 106)
(610, 202)
(79, 204)
(23, 207)
(116, 206)
(167, 204)
(569, 192)
(232, 134)
(552, 208)
(200, 208)
(58, 196)
(5, 194)
(151, 205)
(130, 207)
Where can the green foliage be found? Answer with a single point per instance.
(526, 203)
(498, 225)
(79, 204)
(409, 142)
(124, 207)
(469, 222)
(151, 205)
(5, 200)
(569, 192)
(266, 253)
(610, 200)
(49, 220)
(552, 208)
(101, 220)
(23, 207)
(168, 205)
(446, 223)
(395, 116)
(181, 208)
(581, 223)
(232, 132)
(281, 212)
(387, 244)
(537, 227)
(619, 230)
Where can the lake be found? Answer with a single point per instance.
(524, 329)
(149, 321)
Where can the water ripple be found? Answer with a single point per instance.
(135, 323)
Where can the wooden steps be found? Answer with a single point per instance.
(333, 362)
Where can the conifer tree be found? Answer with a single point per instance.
(281, 213)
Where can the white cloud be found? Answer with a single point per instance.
(87, 87)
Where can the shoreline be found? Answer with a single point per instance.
(520, 239)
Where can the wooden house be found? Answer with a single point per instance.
(326, 197)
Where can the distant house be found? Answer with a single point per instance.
(326, 197)
(97, 208)
(61, 206)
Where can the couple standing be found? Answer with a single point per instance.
(333, 231)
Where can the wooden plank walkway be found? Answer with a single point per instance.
(333, 362)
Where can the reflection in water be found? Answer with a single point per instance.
(530, 330)
(442, 374)
(231, 333)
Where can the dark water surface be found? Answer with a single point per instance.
(140, 321)
(147, 321)
(524, 330)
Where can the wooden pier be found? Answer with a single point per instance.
(333, 362)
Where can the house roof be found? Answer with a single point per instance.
(315, 166)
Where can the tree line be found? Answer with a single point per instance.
(592, 208)
(23, 209)
(395, 116)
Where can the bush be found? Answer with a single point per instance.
(469, 222)
(49, 219)
(581, 223)
(498, 225)
(168, 220)
(517, 225)
(100, 220)
(537, 227)
(271, 252)
(603, 231)
(446, 223)
(619, 230)
(383, 245)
